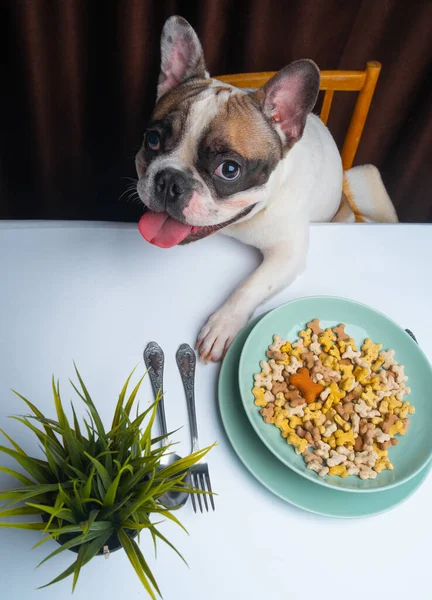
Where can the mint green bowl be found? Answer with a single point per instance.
(414, 449)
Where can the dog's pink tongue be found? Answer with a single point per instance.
(162, 230)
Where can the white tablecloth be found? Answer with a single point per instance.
(96, 294)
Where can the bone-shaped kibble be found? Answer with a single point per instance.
(294, 366)
(388, 356)
(276, 371)
(315, 466)
(335, 459)
(264, 381)
(349, 353)
(265, 367)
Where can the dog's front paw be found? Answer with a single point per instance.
(218, 333)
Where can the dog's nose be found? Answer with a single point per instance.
(172, 185)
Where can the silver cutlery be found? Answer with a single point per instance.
(154, 360)
(200, 477)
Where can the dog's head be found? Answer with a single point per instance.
(210, 149)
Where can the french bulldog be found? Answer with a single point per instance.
(254, 165)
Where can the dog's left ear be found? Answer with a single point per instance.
(289, 97)
(182, 56)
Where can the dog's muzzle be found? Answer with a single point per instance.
(172, 185)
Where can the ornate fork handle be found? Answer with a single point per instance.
(154, 360)
(186, 362)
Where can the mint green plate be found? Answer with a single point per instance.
(414, 449)
(275, 476)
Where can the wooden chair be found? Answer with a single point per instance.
(363, 82)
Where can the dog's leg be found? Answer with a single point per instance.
(281, 265)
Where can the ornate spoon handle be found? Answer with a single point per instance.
(186, 362)
(154, 360)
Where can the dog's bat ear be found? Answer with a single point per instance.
(288, 97)
(182, 56)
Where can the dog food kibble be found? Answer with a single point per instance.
(339, 406)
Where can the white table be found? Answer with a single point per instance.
(97, 293)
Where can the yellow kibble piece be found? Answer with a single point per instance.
(311, 414)
(338, 419)
(361, 374)
(322, 429)
(297, 442)
(334, 351)
(411, 409)
(286, 430)
(332, 362)
(340, 470)
(331, 441)
(377, 420)
(346, 384)
(315, 406)
(297, 352)
(343, 345)
(280, 399)
(396, 411)
(380, 452)
(259, 397)
(384, 407)
(344, 437)
(394, 402)
(378, 363)
(327, 405)
(397, 428)
(282, 416)
(295, 421)
(346, 370)
(285, 362)
(383, 463)
(326, 339)
(306, 336)
(375, 383)
(286, 348)
(331, 413)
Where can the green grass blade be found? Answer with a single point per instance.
(14, 444)
(92, 549)
(163, 538)
(91, 406)
(31, 526)
(88, 484)
(144, 565)
(86, 525)
(31, 465)
(63, 513)
(39, 415)
(77, 428)
(110, 496)
(25, 480)
(132, 397)
(171, 517)
(76, 541)
(126, 542)
(120, 402)
(101, 471)
(184, 463)
(20, 511)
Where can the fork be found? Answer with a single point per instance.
(200, 477)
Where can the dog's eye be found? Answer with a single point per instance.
(153, 141)
(228, 170)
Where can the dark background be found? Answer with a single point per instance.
(79, 81)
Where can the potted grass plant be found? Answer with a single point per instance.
(94, 489)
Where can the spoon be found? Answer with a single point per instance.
(154, 360)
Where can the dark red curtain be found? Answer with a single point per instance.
(79, 80)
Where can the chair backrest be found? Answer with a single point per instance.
(363, 82)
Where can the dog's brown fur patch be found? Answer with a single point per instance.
(180, 98)
(242, 127)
